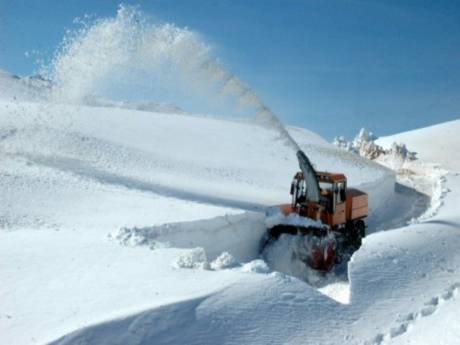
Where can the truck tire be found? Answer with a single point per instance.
(362, 228)
(359, 231)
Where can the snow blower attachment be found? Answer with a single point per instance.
(324, 212)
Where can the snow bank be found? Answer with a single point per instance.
(402, 275)
(399, 279)
(381, 194)
(240, 235)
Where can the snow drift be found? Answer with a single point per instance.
(240, 235)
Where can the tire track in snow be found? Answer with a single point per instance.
(405, 323)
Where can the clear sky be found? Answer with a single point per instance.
(331, 66)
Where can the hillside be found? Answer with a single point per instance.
(121, 226)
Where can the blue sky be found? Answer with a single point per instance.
(331, 66)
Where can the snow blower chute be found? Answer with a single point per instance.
(328, 215)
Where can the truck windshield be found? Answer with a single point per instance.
(325, 185)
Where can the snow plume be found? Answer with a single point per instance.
(130, 49)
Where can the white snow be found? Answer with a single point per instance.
(274, 216)
(123, 226)
(120, 226)
(364, 144)
(240, 234)
(288, 255)
(15, 88)
(224, 260)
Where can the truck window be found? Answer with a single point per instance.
(340, 192)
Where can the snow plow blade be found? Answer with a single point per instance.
(316, 243)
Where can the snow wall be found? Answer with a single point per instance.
(381, 191)
(239, 234)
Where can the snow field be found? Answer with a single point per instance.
(217, 162)
(120, 226)
(74, 174)
(397, 281)
(182, 193)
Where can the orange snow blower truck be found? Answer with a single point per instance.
(327, 214)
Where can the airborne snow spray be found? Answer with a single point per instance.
(131, 46)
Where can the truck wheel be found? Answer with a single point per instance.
(361, 228)
(359, 231)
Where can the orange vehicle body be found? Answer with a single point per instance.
(333, 211)
(342, 209)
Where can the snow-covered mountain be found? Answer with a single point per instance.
(38, 89)
(31, 88)
(119, 226)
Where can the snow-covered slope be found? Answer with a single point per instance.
(37, 89)
(196, 159)
(404, 290)
(13, 87)
(72, 176)
(115, 223)
(436, 144)
(435, 321)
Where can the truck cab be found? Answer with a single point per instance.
(338, 206)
